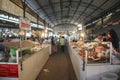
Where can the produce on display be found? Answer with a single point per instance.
(27, 48)
(95, 52)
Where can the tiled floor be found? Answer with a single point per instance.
(58, 67)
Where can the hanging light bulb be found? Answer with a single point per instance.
(79, 25)
(82, 34)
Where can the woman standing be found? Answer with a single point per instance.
(53, 45)
(112, 36)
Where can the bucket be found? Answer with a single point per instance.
(109, 76)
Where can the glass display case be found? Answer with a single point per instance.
(13, 55)
(13, 51)
(98, 52)
(93, 59)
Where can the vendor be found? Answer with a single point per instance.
(99, 39)
(104, 37)
(112, 36)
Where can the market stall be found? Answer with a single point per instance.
(92, 60)
(20, 62)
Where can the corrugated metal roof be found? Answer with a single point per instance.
(72, 11)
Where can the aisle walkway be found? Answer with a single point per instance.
(58, 67)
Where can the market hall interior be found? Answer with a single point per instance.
(33, 34)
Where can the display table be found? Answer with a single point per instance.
(26, 66)
(33, 65)
(77, 63)
(86, 71)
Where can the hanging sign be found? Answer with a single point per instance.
(24, 24)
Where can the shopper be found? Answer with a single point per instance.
(53, 45)
(46, 41)
(52, 41)
(7, 40)
(112, 36)
(2, 45)
(62, 43)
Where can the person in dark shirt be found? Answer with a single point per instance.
(52, 41)
(104, 37)
(1, 44)
(53, 45)
(112, 36)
